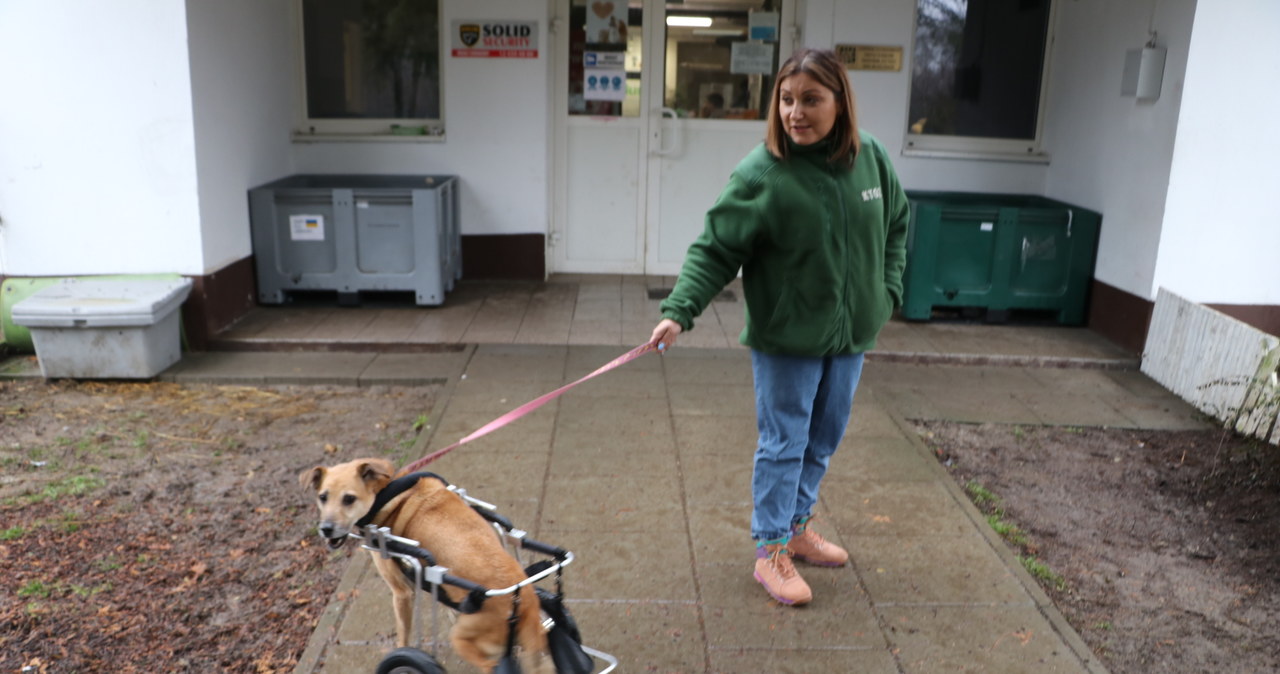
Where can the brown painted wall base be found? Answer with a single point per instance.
(1261, 316)
(1124, 318)
(507, 257)
(1120, 316)
(217, 300)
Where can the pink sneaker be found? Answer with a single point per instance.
(808, 546)
(779, 577)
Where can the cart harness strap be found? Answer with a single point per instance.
(393, 489)
(530, 406)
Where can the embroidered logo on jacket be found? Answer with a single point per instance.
(871, 194)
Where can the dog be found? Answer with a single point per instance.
(459, 539)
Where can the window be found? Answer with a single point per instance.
(978, 77)
(371, 68)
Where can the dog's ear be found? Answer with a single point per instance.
(311, 477)
(375, 472)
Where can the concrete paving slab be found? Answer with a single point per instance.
(730, 435)
(976, 404)
(869, 419)
(996, 639)
(413, 369)
(532, 430)
(782, 661)
(1163, 414)
(901, 570)
(720, 532)
(588, 447)
(739, 613)
(621, 383)
(620, 566)
(1077, 382)
(681, 368)
(881, 458)
(714, 399)
(494, 397)
(644, 636)
(1066, 409)
(877, 508)
(716, 478)
(580, 406)
(594, 458)
(612, 504)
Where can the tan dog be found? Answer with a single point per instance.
(459, 538)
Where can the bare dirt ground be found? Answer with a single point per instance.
(152, 527)
(1162, 549)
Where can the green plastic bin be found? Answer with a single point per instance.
(998, 252)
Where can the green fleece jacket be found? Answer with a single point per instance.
(821, 249)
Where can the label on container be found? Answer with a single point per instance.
(306, 227)
(987, 226)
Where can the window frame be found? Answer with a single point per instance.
(308, 129)
(978, 147)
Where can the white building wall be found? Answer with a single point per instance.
(883, 97)
(1222, 225)
(97, 161)
(496, 131)
(1111, 153)
(243, 88)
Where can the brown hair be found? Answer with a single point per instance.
(823, 66)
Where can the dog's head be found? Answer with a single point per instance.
(344, 494)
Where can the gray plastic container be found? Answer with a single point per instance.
(105, 329)
(352, 233)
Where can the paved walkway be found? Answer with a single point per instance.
(644, 473)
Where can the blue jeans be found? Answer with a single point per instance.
(802, 408)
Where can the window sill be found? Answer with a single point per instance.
(1029, 158)
(299, 137)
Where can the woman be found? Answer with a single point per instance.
(817, 221)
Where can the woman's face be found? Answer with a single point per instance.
(808, 109)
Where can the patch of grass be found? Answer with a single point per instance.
(980, 495)
(1019, 433)
(1041, 572)
(72, 486)
(141, 439)
(1105, 625)
(1008, 531)
(108, 564)
(420, 423)
(35, 588)
(12, 533)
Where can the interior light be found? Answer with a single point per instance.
(693, 21)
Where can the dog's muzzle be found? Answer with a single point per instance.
(331, 537)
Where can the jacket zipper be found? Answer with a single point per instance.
(848, 256)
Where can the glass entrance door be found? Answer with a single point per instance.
(660, 101)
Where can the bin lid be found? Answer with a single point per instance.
(101, 303)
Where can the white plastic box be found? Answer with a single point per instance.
(105, 329)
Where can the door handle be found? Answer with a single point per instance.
(676, 134)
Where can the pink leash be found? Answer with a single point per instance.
(528, 407)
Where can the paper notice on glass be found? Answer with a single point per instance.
(604, 84)
(763, 26)
(306, 227)
(751, 58)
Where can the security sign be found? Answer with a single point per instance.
(495, 39)
(469, 33)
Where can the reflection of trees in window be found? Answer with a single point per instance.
(400, 37)
(372, 59)
(939, 35)
(977, 67)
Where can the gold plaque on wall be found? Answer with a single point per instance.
(870, 57)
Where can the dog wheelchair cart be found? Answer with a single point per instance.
(563, 638)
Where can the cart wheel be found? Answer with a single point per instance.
(409, 661)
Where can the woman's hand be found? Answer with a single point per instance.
(664, 335)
